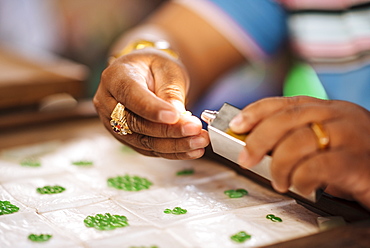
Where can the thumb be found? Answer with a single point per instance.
(171, 84)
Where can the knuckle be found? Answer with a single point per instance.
(97, 103)
(135, 123)
(146, 141)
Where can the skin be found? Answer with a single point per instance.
(154, 86)
(282, 125)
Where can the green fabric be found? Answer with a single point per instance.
(303, 80)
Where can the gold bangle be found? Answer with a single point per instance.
(141, 44)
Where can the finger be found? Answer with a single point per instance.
(186, 126)
(299, 145)
(335, 168)
(251, 115)
(265, 136)
(194, 154)
(129, 86)
(166, 145)
(176, 156)
(171, 82)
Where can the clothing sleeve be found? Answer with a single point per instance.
(257, 28)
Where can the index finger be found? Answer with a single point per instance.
(251, 115)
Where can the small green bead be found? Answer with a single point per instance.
(129, 183)
(273, 218)
(106, 221)
(236, 193)
(185, 172)
(240, 237)
(40, 237)
(83, 163)
(7, 208)
(176, 211)
(50, 189)
(30, 162)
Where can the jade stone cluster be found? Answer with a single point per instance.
(106, 221)
(50, 189)
(176, 211)
(40, 237)
(7, 208)
(236, 193)
(129, 183)
(273, 218)
(241, 237)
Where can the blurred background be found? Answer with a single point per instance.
(53, 52)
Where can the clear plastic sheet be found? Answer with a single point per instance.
(15, 229)
(211, 219)
(75, 194)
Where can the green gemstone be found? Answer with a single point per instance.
(30, 162)
(236, 193)
(176, 211)
(240, 237)
(40, 237)
(185, 172)
(106, 221)
(50, 189)
(7, 208)
(129, 183)
(83, 163)
(273, 218)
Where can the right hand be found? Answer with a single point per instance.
(152, 85)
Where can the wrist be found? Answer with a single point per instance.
(161, 45)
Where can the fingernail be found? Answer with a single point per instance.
(236, 122)
(243, 158)
(190, 128)
(277, 187)
(169, 117)
(178, 105)
(196, 153)
(198, 142)
(192, 125)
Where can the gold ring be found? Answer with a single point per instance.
(322, 137)
(118, 120)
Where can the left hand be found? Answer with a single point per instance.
(282, 125)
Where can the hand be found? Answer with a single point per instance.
(152, 86)
(282, 126)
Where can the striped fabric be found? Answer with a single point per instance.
(333, 36)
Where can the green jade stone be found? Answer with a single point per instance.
(273, 218)
(185, 172)
(236, 193)
(83, 163)
(39, 238)
(30, 162)
(129, 183)
(50, 189)
(7, 208)
(106, 221)
(176, 211)
(241, 237)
